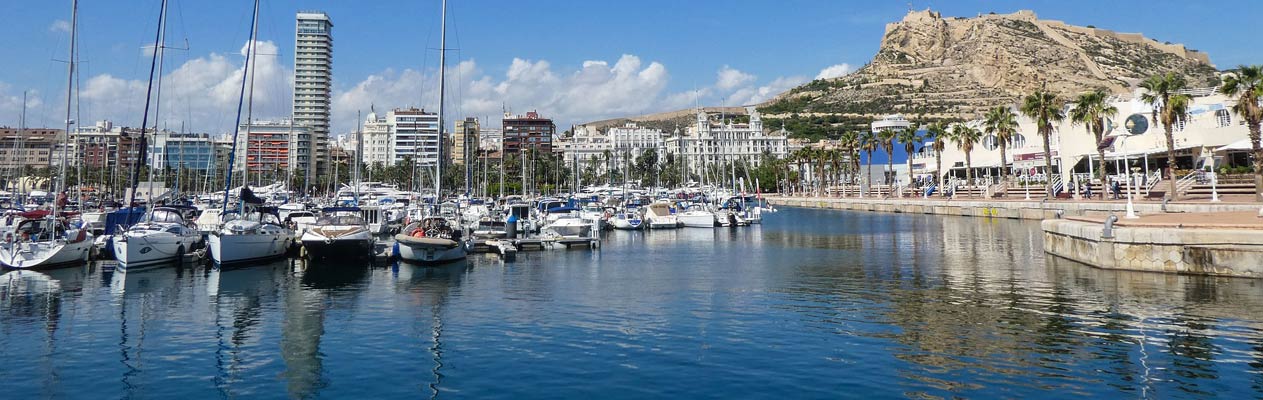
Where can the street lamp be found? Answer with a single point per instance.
(1131, 181)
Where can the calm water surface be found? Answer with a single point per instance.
(813, 304)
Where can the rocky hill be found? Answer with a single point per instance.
(953, 67)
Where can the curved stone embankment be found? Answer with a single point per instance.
(1016, 209)
(1204, 250)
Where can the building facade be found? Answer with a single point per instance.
(268, 146)
(528, 131)
(313, 75)
(465, 141)
(192, 151)
(711, 143)
(1210, 136)
(416, 136)
(31, 147)
(378, 145)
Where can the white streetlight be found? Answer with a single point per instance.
(1131, 181)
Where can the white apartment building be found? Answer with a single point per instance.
(713, 142)
(313, 75)
(585, 144)
(378, 145)
(416, 136)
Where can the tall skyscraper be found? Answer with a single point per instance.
(313, 74)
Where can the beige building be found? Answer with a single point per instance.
(465, 141)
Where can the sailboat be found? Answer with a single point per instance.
(47, 241)
(434, 239)
(166, 234)
(252, 232)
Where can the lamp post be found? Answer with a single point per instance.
(1131, 181)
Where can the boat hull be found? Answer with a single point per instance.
(135, 251)
(352, 246)
(628, 224)
(698, 221)
(238, 248)
(429, 250)
(46, 255)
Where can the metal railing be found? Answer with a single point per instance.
(1151, 180)
(1186, 183)
(1057, 184)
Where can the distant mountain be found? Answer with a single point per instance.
(931, 67)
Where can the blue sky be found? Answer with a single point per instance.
(574, 60)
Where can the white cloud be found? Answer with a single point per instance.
(729, 78)
(60, 25)
(834, 71)
(202, 92)
(753, 95)
(11, 106)
(596, 90)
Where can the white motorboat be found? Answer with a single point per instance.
(627, 220)
(255, 236)
(432, 240)
(163, 237)
(208, 221)
(570, 226)
(697, 216)
(340, 232)
(490, 228)
(660, 216)
(41, 241)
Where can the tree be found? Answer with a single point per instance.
(1169, 108)
(1246, 84)
(1002, 122)
(850, 142)
(910, 138)
(965, 137)
(869, 144)
(887, 140)
(1091, 109)
(938, 133)
(1045, 108)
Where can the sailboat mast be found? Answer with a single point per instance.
(359, 151)
(236, 127)
(70, 74)
(144, 119)
(438, 165)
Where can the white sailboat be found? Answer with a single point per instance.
(697, 216)
(48, 242)
(434, 239)
(164, 237)
(252, 232)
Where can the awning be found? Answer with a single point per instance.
(1243, 144)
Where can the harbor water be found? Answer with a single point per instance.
(811, 304)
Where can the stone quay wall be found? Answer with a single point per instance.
(1220, 252)
(1034, 209)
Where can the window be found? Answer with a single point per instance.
(1223, 118)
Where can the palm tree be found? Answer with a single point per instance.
(1002, 122)
(868, 144)
(1246, 84)
(834, 155)
(886, 138)
(1091, 109)
(850, 141)
(1045, 108)
(910, 138)
(938, 133)
(965, 137)
(1169, 108)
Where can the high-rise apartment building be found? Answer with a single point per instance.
(465, 141)
(313, 74)
(528, 131)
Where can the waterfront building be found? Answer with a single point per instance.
(585, 145)
(313, 75)
(31, 147)
(634, 139)
(377, 140)
(416, 135)
(1210, 136)
(528, 131)
(106, 145)
(193, 151)
(708, 142)
(465, 141)
(490, 140)
(269, 146)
